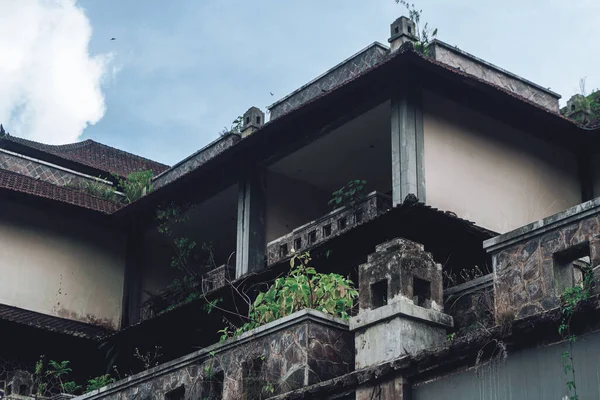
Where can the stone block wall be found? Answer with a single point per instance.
(299, 350)
(533, 265)
(196, 160)
(331, 79)
(472, 65)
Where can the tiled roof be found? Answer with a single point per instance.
(27, 185)
(50, 323)
(97, 155)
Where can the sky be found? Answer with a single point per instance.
(179, 71)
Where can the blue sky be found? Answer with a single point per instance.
(180, 70)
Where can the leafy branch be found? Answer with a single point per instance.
(425, 35)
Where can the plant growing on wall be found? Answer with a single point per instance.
(570, 300)
(136, 185)
(303, 287)
(150, 358)
(236, 127)
(98, 382)
(189, 259)
(349, 194)
(425, 35)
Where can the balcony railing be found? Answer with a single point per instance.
(335, 223)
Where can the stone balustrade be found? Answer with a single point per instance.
(333, 224)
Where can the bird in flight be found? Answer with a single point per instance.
(113, 38)
(271, 93)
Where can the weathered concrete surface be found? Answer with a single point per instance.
(399, 262)
(534, 264)
(336, 76)
(392, 338)
(407, 320)
(328, 226)
(471, 303)
(472, 65)
(299, 350)
(196, 160)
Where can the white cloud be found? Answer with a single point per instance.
(50, 86)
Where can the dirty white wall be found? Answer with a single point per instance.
(291, 203)
(60, 266)
(491, 173)
(595, 167)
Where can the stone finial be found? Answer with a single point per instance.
(578, 108)
(400, 303)
(402, 30)
(254, 118)
(400, 270)
(20, 383)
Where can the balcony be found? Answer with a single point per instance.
(333, 224)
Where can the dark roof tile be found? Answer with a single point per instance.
(24, 184)
(96, 155)
(51, 323)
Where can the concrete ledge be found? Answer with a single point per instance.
(542, 226)
(401, 308)
(468, 63)
(471, 286)
(199, 356)
(196, 160)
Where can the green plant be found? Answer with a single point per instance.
(136, 185)
(569, 302)
(69, 387)
(98, 189)
(349, 194)
(303, 287)
(150, 358)
(236, 127)
(59, 370)
(425, 35)
(98, 382)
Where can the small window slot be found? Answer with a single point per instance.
(379, 293)
(421, 292)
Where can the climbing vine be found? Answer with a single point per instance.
(569, 302)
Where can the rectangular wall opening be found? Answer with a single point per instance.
(212, 385)
(569, 267)
(312, 237)
(421, 292)
(176, 394)
(379, 293)
(327, 230)
(253, 380)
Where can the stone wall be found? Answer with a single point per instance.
(471, 304)
(472, 65)
(299, 350)
(331, 79)
(536, 263)
(197, 159)
(40, 170)
(327, 227)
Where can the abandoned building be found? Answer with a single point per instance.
(469, 225)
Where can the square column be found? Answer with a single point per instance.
(251, 242)
(408, 170)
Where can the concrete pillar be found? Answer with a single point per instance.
(408, 171)
(251, 242)
(131, 304)
(400, 304)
